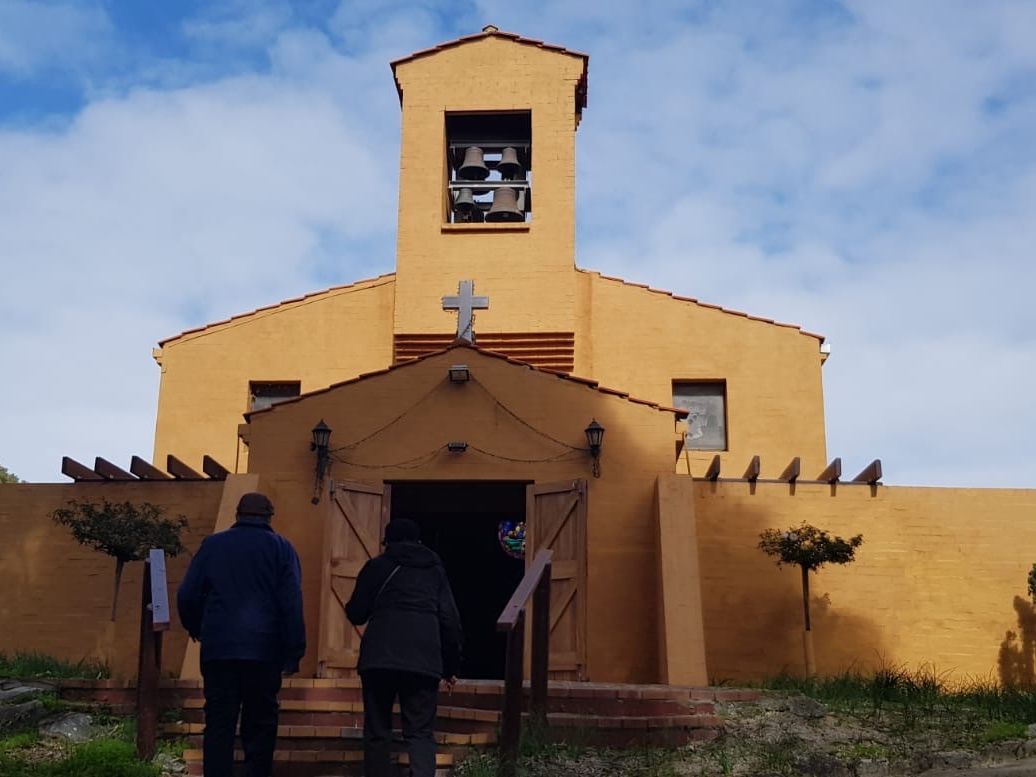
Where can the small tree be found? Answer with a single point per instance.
(809, 548)
(7, 477)
(123, 530)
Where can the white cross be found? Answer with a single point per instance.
(465, 303)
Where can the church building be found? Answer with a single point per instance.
(509, 401)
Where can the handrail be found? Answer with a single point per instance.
(535, 585)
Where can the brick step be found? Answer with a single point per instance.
(480, 707)
(321, 763)
(322, 738)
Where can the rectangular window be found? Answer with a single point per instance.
(489, 167)
(706, 406)
(262, 394)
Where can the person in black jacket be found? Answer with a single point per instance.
(413, 639)
(242, 597)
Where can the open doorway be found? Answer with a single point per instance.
(461, 521)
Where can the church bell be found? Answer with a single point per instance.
(505, 206)
(473, 168)
(509, 166)
(464, 201)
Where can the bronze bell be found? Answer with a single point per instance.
(473, 168)
(505, 206)
(509, 166)
(464, 201)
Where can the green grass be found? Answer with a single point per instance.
(38, 666)
(1003, 730)
(99, 758)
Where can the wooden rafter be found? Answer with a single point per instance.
(871, 474)
(792, 471)
(752, 473)
(181, 471)
(109, 471)
(712, 473)
(146, 471)
(832, 473)
(73, 469)
(213, 468)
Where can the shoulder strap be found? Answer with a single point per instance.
(392, 574)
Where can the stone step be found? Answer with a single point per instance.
(334, 737)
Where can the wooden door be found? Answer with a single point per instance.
(556, 519)
(355, 523)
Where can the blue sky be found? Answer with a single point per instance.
(864, 168)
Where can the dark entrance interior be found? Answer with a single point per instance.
(460, 521)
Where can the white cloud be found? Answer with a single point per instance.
(864, 169)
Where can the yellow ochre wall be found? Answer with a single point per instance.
(57, 594)
(642, 340)
(940, 579)
(623, 591)
(524, 268)
(318, 340)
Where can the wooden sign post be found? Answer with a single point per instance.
(154, 619)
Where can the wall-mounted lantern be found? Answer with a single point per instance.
(320, 444)
(594, 439)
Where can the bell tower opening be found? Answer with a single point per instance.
(477, 528)
(489, 165)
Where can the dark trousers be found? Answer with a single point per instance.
(418, 695)
(248, 689)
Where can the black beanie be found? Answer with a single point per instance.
(255, 504)
(402, 530)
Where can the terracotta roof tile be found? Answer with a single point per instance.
(366, 283)
(720, 308)
(591, 384)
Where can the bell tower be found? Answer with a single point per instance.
(487, 187)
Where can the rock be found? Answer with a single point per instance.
(872, 767)
(1030, 731)
(805, 707)
(21, 714)
(170, 764)
(1007, 750)
(1029, 748)
(14, 689)
(953, 759)
(71, 726)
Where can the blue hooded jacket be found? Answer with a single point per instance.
(242, 597)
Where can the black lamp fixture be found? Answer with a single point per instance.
(459, 373)
(321, 445)
(594, 439)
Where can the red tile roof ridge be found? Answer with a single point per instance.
(489, 31)
(698, 302)
(589, 383)
(365, 283)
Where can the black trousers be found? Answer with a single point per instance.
(418, 696)
(248, 689)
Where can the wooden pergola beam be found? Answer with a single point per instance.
(712, 473)
(792, 471)
(109, 471)
(752, 473)
(833, 472)
(73, 469)
(181, 471)
(213, 468)
(871, 474)
(146, 471)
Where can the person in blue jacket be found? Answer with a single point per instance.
(242, 597)
(413, 639)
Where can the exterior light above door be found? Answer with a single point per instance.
(321, 445)
(594, 439)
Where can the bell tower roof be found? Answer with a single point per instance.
(490, 31)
